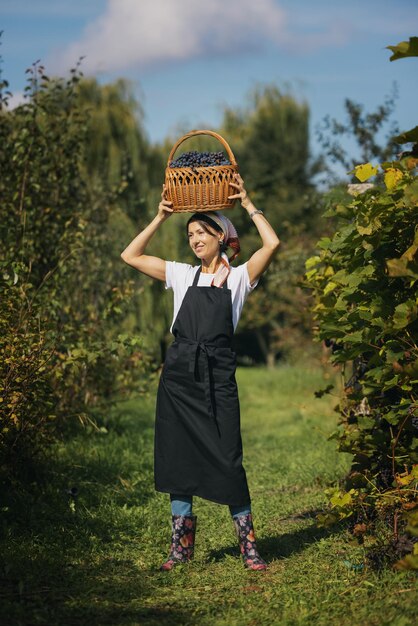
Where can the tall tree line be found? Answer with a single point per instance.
(79, 180)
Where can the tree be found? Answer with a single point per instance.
(117, 152)
(271, 142)
(369, 135)
(63, 354)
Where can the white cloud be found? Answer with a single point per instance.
(143, 33)
(140, 33)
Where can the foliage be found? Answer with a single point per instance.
(278, 314)
(404, 49)
(372, 135)
(270, 139)
(116, 149)
(62, 351)
(365, 284)
(365, 281)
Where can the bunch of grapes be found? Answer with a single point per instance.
(384, 478)
(414, 422)
(195, 159)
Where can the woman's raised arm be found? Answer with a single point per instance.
(262, 257)
(134, 253)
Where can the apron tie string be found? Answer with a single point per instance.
(205, 348)
(194, 353)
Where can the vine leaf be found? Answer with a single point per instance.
(364, 172)
(405, 313)
(404, 49)
(410, 136)
(392, 178)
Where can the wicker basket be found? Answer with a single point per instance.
(200, 188)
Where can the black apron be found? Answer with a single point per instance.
(198, 447)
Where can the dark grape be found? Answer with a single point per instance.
(414, 422)
(195, 159)
(386, 476)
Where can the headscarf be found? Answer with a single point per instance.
(230, 241)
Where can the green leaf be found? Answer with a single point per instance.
(365, 230)
(409, 136)
(341, 499)
(399, 267)
(411, 193)
(393, 417)
(404, 49)
(356, 337)
(392, 177)
(410, 253)
(405, 314)
(312, 262)
(391, 383)
(365, 423)
(364, 172)
(330, 287)
(324, 243)
(311, 273)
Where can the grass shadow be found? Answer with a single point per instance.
(283, 546)
(111, 592)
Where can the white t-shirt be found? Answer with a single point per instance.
(179, 276)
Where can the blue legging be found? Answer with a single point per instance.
(182, 505)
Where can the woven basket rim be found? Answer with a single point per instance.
(200, 209)
(201, 168)
(211, 133)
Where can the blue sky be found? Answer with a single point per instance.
(190, 58)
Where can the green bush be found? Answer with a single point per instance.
(63, 352)
(365, 282)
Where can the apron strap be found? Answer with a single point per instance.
(196, 277)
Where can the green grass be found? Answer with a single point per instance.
(94, 560)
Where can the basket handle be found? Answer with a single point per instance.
(193, 133)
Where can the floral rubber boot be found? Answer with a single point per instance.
(182, 541)
(245, 532)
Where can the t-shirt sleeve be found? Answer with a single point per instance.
(247, 285)
(241, 287)
(169, 274)
(177, 275)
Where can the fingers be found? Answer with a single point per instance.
(237, 195)
(239, 183)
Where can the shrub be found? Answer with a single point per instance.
(62, 350)
(365, 281)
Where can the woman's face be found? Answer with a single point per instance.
(205, 245)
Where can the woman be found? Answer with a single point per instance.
(198, 448)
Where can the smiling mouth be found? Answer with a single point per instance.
(198, 247)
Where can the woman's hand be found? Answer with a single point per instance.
(242, 194)
(164, 208)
